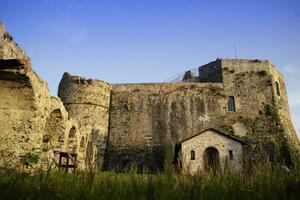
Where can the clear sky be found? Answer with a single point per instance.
(153, 40)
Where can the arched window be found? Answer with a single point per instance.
(231, 104)
(193, 155)
(72, 132)
(277, 88)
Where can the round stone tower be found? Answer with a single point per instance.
(87, 101)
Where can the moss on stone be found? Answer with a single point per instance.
(227, 129)
(262, 73)
(216, 91)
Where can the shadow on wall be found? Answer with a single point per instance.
(150, 159)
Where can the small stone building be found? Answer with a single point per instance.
(210, 149)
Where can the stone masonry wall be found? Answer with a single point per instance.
(211, 72)
(32, 123)
(238, 77)
(87, 101)
(9, 49)
(146, 118)
(282, 105)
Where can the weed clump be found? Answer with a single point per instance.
(29, 159)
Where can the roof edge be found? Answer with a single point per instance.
(217, 131)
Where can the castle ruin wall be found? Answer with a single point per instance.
(87, 101)
(33, 124)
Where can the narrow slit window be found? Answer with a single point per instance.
(231, 104)
(72, 132)
(277, 88)
(193, 155)
(230, 155)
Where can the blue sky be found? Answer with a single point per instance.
(151, 41)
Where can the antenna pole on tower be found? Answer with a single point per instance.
(235, 55)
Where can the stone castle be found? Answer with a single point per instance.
(233, 108)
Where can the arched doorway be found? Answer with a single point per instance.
(53, 136)
(211, 159)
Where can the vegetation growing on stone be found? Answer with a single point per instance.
(48, 137)
(227, 129)
(29, 159)
(216, 90)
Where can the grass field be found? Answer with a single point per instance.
(262, 182)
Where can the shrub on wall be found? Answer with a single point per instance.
(29, 159)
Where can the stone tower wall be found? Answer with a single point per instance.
(282, 105)
(87, 101)
(211, 72)
(235, 83)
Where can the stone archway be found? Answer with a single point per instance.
(72, 133)
(211, 159)
(72, 139)
(54, 130)
(53, 137)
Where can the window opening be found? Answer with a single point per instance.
(193, 156)
(231, 104)
(230, 154)
(277, 88)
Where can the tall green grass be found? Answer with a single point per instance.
(263, 182)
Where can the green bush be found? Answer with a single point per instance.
(29, 159)
(48, 137)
